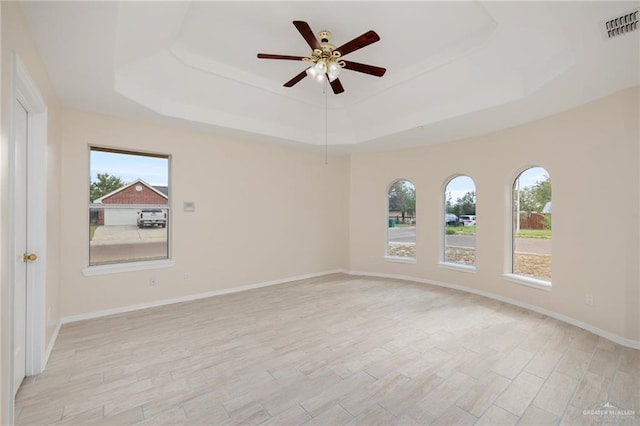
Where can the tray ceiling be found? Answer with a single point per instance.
(454, 69)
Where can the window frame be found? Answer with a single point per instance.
(510, 234)
(442, 262)
(388, 257)
(136, 264)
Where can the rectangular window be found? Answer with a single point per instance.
(401, 231)
(129, 209)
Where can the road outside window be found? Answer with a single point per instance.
(129, 212)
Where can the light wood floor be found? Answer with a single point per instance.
(330, 351)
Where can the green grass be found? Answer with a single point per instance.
(524, 233)
(92, 230)
(534, 233)
(402, 225)
(466, 230)
(461, 230)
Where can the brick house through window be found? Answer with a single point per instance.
(137, 194)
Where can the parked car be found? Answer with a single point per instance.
(451, 219)
(468, 219)
(152, 217)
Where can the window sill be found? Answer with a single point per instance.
(400, 259)
(127, 267)
(528, 281)
(457, 267)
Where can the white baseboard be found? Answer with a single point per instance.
(131, 308)
(634, 344)
(52, 342)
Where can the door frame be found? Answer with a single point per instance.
(26, 92)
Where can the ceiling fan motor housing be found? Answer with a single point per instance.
(324, 36)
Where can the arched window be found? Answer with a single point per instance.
(531, 227)
(401, 220)
(459, 222)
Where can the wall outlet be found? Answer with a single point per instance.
(187, 276)
(588, 299)
(153, 281)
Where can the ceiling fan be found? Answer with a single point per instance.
(326, 59)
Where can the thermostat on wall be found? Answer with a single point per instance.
(189, 206)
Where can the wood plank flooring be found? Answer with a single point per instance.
(330, 351)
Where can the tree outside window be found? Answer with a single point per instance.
(104, 184)
(401, 234)
(531, 224)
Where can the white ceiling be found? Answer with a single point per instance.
(454, 69)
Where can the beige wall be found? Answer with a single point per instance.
(591, 154)
(16, 39)
(263, 213)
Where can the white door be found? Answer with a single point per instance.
(20, 230)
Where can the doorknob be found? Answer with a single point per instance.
(31, 257)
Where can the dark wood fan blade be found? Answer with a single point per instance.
(358, 42)
(296, 79)
(307, 34)
(273, 56)
(364, 68)
(336, 86)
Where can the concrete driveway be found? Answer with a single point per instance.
(115, 244)
(108, 235)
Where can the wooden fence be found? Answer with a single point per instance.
(533, 221)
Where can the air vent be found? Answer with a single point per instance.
(622, 24)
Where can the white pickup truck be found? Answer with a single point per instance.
(152, 216)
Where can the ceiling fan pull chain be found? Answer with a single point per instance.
(326, 161)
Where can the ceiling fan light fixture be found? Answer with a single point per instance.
(312, 72)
